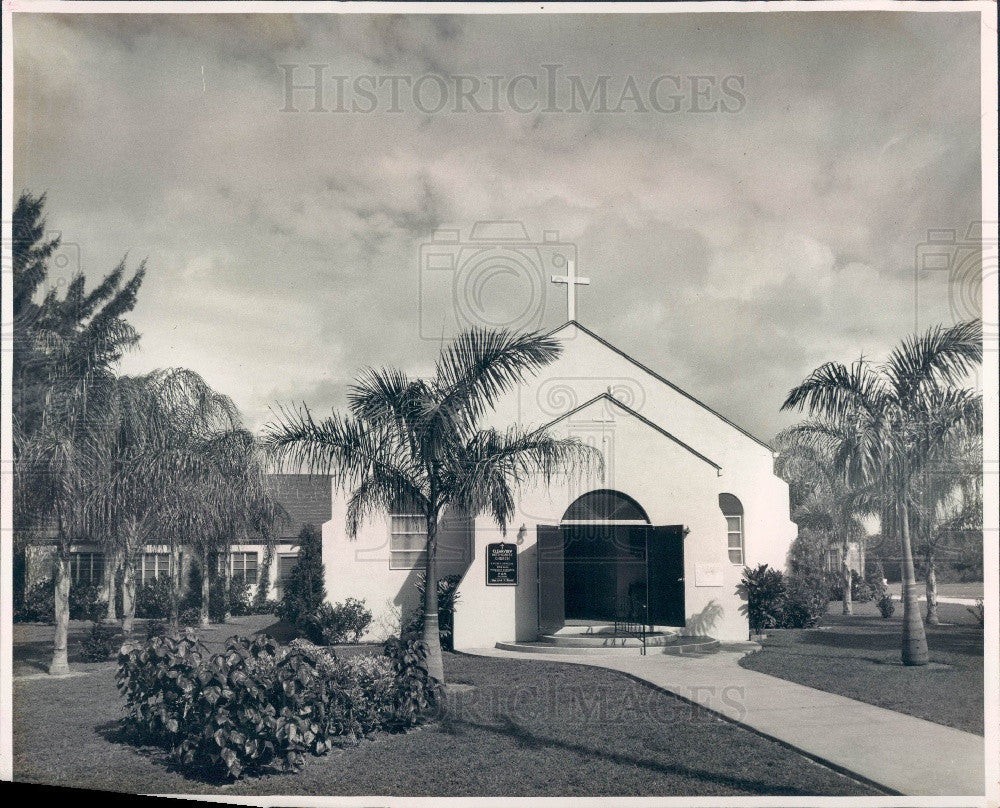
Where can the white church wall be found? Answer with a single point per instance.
(674, 487)
(587, 368)
(360, 567)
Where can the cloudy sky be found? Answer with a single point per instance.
(747, 197)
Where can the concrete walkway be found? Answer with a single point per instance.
(893, 751)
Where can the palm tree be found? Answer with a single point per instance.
(228, 498)
(66, 347)
(948, 499)
(883, 424)
(826, 500)
(176, 467)
(420, 440)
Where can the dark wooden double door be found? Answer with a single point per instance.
(608, 572)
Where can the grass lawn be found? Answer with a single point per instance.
(525, 728)
(959, 589)
(32, 649)
(858, 656)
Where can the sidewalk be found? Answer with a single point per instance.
(897, 752)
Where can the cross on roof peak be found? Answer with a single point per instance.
(572, 281)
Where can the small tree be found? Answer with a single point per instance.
(305, 588)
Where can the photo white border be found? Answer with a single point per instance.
(991, 517)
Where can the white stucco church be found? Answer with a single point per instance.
(687, 499)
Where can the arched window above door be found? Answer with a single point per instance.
(732, 509)
(605, 505)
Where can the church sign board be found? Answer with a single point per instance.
(501, 564)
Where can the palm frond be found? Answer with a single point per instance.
(835, 390)
(939, 355)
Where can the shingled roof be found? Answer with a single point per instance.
(307, 498)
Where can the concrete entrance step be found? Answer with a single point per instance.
(575, 629)
(546, 648)
(605, 640)
(672, 645)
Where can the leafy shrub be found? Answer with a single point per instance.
(260, 604)
(38, 605)
(447, 597)
(156, 628)
(264, 607)
(304, 590)
(875, 578)
(216, 594)
(800, 601)
(39, 602)
(190, 616)
(152, 598)
(886, 605)
(978, 611)
(333, 624)
(85, 603)
(765, 593)
(239, 598)
(807, 599)
(256, 705)
(101, 644)
(415, 691)
(861, 590)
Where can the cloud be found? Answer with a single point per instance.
(732, 251)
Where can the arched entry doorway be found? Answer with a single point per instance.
(604, 547)
(605, 561)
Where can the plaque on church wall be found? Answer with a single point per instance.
(707, 574)
(501, 564)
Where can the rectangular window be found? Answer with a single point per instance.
(244, 567)
(86, 568)
(155, 565)
(734, 535)
(407, 541)
(285, 564)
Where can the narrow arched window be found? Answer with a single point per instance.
(732, 509)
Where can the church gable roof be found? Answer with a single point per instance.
(661, 379)
(638, 416)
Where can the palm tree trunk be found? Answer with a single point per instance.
(845, 574)
(175, 586)
(931, 588)
(914, 638)
(225, 585)
(111, 573)
(206, 592)
(432, 634)
(60, 658)
(128, 593)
